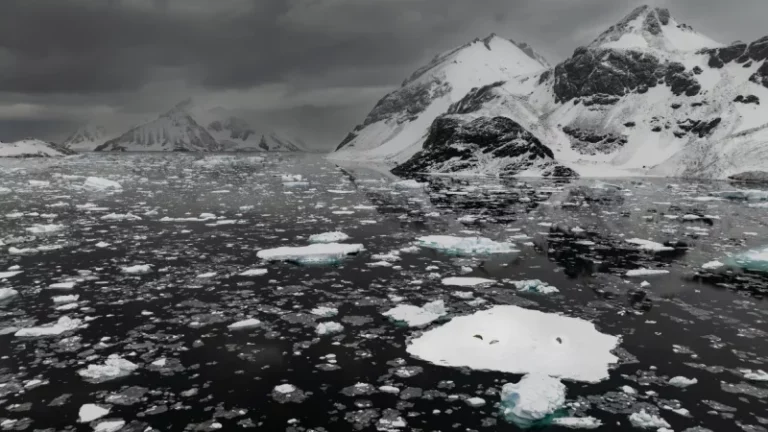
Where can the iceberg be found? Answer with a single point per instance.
(645, 420)
(755, 260)
(137, 269)
(321, 253)
(64, 324)
(649, 246)
(536, 398)
(516, 340)
(465, 246)
(536, 286)
(253, 272)
(682, 382)
(743, 195)
(109, 426)
(6, 293)
(329, 237)
(415, 316)
(466, 281)
(98, 184)
(327, 328)
(114, 367)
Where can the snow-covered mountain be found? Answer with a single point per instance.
(87, 138)
(235, 134)
(398, 124)
(188, 128)
(33, 148)
(650, 96)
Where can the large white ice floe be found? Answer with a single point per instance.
(91, 412)
(321, 253)
(329, 237)
(467, 281)
(98, 184)
(646, 272)
(534, 398)
(517, 340)
(326, 328)
(114, 367)
(650, 246)
(245, 324)
(465, 246)
(415, 316)
(6, 293)
(62, 325)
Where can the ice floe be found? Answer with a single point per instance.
(465, 246)
(467, 281)
(101, 184)
(91, 412)
(329, 237)
(321, 253)
(120, 217)
(6, 293)
(245, 324)
(9, 274)
(758, 375)
(327, 328)
(415, 316)
(66, 298)
(577, 422)
(752, 260)
(532, 399)
(646, 272)
(138, 269)
(645, 420)
(648, 245)
(63, 324)
(114, 367)
(517, 340)
(109, 426)
(325, 311)
(681, 381)
(253, 272)
(45, 229)
(535, 286)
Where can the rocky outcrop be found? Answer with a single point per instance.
(236, 128)
(590, 143)
(749, 99)
(486, 145)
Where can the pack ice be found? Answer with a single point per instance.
(62, 325)
(415, 316)
(465, 246)
(321, 253)
(114, 367)
(98, 184)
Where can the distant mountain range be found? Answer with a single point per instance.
(649, 97)
(29, 148)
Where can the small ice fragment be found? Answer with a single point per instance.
(64, 324)
(249, 323)
(327, 328)
(39, 183)
(329, 237)
(533, 398)
(101, 184)
(712, 265)
(254, 272)
(645, 420)
(285, 388)
(416, 316)
(682, 382)
(407, 184)
(109, 426)
(649, 246)
(102, 244)
(139, 269)
(6, 293)
(206, 275)
(465, 246)
(62, 285)
(120, 217)
(324, 311)
(628, 390)
(45, 229)
(646, 272)
(389, 389)
(578, 422)
(160, 362)
(9, 274)
(91, 412)
(114, 367)
(291, 177)
(467, 281)
(475, 402)
(535, 286)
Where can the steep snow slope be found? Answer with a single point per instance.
(33, 148)
(644, 99)
(235, 134)
(175, 130)
(87, 138)
(397, 126)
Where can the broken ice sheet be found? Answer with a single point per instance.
(465, 246)
(324, 253)
(414, 316)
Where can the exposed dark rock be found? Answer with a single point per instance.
(237, 127)
(454, 145)
(589, 143)
(761, 75)
(697, 70)
(656, 129)
(601, 99)
(676, 105)
(750, 177)
(699, 127)
(630, 124)
(739, 52)
(749, 99)
(475, 99)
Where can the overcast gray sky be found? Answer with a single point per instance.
(311, 67)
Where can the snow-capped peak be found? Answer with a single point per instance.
(86, 138)
(532, 53)
(650, 28)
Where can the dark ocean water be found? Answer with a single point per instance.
(686, 323)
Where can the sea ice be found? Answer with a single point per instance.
(45, 229)
(62, 325)
(532, 399)
(291, 177)
(101, 184)
(62, 285)
(416, 316)
(324, 311)
(475, 402)
(109, 426)
(536, 286)
(758, 375)
(465, 246)
(408, 184)
(6, 293)
(91, 412)
(681, 381)
(578, 422)
(712, 265)
(645, 420)
(753, 260)
(329, 237)
(650, 246)
(245, 324)
(254, 272)
(327, 328)
(114, 367)
(466, 281)
(516, 340)
(120, 217)
(321, 253)
(646, 272)
(9, 274)
(66, 298)
(139, 269)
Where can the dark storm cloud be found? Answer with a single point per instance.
(138, 55)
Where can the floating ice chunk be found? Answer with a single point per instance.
(62, 285)
(465, 246)
(109, 426)
(536, 286)
(392, 256)
(321, 253)
(646, 272)
(534, 398)
(650, 246)
(206, 275)
(712, 265)
(245, 324)
(66, 299)
(577, 422)
(416, 316)
(102, 244)
(4, 190)
(67, 307)
(39, 183)
(743, 195)
(91, 412)
(503, 339)
(379, 264)
(64, 324)
(114, 367)
(628, 390)
(6, 293)
(340, 192)
(758, 375)
(254, 272)
(324, 311)
(9, 274)
(101, 184)
(327, 328)
(329, 237)
(408, 184)
(645, 420)
(32, 251)
(467, 281)
(389, 389)
(291, 177)
(682, 382)
(120, 217)
(753, 260)
(45, 229)
(139, 269)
